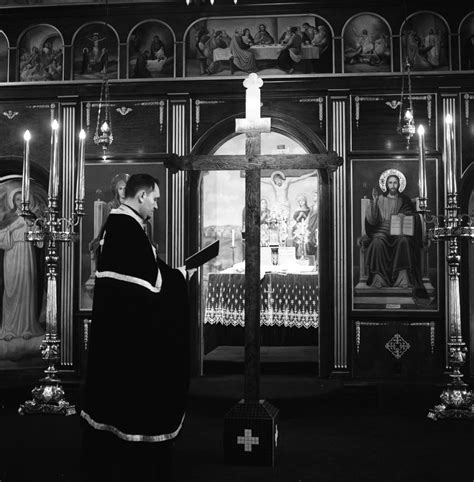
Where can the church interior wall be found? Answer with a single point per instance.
(143, 130)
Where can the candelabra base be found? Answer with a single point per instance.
(458, 404)
(48, 399)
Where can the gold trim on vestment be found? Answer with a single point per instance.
(127, 279)
(131, 437)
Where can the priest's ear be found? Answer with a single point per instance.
(141, 195)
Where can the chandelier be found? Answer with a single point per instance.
(406, 119)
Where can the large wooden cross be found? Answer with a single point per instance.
(252, 163)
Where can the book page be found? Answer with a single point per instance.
(397, 228)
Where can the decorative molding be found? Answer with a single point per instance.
(358, 100)
(320, 101)
(397, 346)
(359, 324)
(430, 324)
(10, 114)
(392, 104)
(467, 113)
(124, 110)
(162, 113)
(86, 323)
(197, 112)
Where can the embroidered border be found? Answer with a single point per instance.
(131, 437)
(127, 279)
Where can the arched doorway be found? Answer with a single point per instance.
(289, 298)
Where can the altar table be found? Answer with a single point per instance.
(286, 300)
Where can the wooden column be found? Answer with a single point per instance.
(338, 144)
(69, 132)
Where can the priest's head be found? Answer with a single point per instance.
(142, 193)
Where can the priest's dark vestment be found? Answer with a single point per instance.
(138, 359)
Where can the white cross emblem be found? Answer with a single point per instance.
(247, 440)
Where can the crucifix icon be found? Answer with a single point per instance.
(252, 163)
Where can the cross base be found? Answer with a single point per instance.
(251, 433)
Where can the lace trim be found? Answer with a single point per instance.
(127, 279)
(131, 437)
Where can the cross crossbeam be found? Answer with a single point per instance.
(330, 161)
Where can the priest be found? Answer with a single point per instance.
(137, 375)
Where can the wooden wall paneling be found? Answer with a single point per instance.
(397, 349)
(207, 112)
(16, 117)
(139, 127)
(375, 119)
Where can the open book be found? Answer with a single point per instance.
(402, 225)
(202, 256)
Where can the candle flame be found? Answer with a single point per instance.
(82, 134)
(55, 124)
(421, 130)
(105, 127)
(449, 119)
(27, 135)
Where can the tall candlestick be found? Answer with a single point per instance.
(422, 167)
(450, 163)
(25, 181)
(80, 168)
(54, 162)
(233, 238)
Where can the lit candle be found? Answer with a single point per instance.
(25, 181)
(54, 162)
(450, 159)
(105, 128)
(80, 168)
(422, 168)
(233, 238)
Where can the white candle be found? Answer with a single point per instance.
(80, 168)
(449, 158)
(25, 181)
(233, 238)
(422, 167)
(54, 162)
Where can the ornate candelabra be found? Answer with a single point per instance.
(450, 227)
(49, 230)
